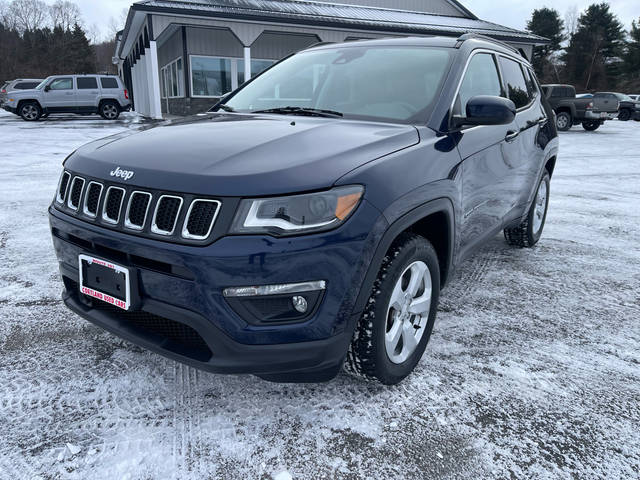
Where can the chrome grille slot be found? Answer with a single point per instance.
(137, 209)
(112, 205)
(62, 187)
(166, 214)
(92, 199)
(77, 185)
(200, 218)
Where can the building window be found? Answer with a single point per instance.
(215, 76)
(257, 66)
(211, 76)
(172, 79)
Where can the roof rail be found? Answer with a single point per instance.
(317, 44)
(477, 36)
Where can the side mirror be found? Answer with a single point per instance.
(488, 110)
(47, 88)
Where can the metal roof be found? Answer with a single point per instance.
(338, 15)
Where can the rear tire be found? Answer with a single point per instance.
(591, 126)
(624, 115)
(109, 110)
(30, 111)
(529, 231)
(396, 324)
(564, 121)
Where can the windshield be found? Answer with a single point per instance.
(378, 83)
(42, 83)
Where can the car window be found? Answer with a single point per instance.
(61, 84)
(109, 82)
(26, 85)
(532, 86)
(517, 89)
(481, 78)
(86, 83)
(398, 83)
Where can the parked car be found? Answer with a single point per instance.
(18, 84)
(80, 94)
(311, 220)
(635, 97)
(571, 110)
(627, 107)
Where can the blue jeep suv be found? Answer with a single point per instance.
(308, 222)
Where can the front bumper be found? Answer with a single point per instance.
(184, 284)
(9, 108)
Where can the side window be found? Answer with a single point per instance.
(108, 82)
(532, 86)
(481, 78)
(26, 85)
(62, 84)
(517, 89)
(87, 83)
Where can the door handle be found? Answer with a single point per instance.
(511, 136)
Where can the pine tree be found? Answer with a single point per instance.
(83, 58)
(593, 57)
(632, 55)
(546, 22)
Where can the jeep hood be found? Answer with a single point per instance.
(242, 154)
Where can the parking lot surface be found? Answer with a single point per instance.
(533, 370)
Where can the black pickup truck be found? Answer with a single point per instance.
(571, 111)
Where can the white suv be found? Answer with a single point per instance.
(81, 94)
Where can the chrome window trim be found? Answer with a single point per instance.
(104, 205)
(154, 226)
(60, 199)
(86, 197)
(127, 223)
(185, 232)
(73, 182)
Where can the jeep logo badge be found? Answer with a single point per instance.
(124, 174)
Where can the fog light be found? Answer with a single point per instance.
(299, 303)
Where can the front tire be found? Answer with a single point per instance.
(30, 112)
(591, 126)
(109, 111)
(563, 121)
(529, 231)
(396, 324)
(624, 115)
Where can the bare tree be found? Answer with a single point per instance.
(117, 23)
(64, 14)
(28, 15)
(571, 20)
(6, 19)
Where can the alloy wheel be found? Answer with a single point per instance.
(540, 207)
(29, 112)
(408, 312)
(110, 111)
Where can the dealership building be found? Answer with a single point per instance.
(178, 57)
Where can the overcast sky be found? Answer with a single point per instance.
(512, 13)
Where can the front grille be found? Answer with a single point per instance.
(200, 218)
(113, 204)
(154, 214)
(92, 199)
(62, 187)
(137, 210)
(166, 215)
(179, 337)
(76, 193)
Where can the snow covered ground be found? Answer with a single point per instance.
(533, 370)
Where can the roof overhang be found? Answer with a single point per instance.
(347, 17)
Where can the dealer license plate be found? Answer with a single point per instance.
(105, 281)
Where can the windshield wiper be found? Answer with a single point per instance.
(312, 112)
(226, 108)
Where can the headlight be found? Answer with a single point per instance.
(295, 214)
